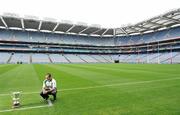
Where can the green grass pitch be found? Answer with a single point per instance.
(94, 89)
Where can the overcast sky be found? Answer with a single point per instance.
(107, 13)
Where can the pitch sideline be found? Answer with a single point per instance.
(83, 88)
(100, 86)
(25, 108)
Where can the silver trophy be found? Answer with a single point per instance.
(16, 99)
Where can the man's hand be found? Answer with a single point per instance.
(46, 90)
(51, 89)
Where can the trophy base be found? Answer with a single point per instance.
(16, 105)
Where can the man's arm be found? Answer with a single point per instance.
(44, 88)
(53, 85)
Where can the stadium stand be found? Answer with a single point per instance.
(4, 57)
(20, 57)
(74, 58)
(57, 58)
(156, 40)
(40, 58)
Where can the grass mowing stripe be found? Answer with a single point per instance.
(109, 85)
(21, 78)
(71, 77)
(135, 69)
(6, 69)
(164, 68)
(99, 77)
(108, 76)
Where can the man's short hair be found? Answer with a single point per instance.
(48, 75)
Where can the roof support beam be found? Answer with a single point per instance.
(22, 23)
(171, 19)
(156, 28)
(142, 27)
(104, 32)
(114, 32)
(122, 29)
(96, 31)
(154, 23)
(83, 30)
(4, 22)
(40, 23)
(135, 29)
(70, 28)
(55, 27)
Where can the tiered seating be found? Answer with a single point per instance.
(149, 37)
(40, 58)
(122, 58)
(100, 58)
(4, 57)
(176, 58)
(108, 58)
(57, 58)
(88, 58)
(20, 36)
(153, 58)
(20, 57)
(74, 58)
(165, 58)
(5, 34)
(174, 32)
(15, 35)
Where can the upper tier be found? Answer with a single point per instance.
(27, 36)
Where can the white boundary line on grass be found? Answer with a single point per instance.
(100, 86)
(25, 108)
(83, 88)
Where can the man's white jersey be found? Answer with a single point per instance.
(49, 84)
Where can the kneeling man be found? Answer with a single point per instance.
(49, 87)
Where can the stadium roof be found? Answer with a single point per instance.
(32, 23)
(161, 22)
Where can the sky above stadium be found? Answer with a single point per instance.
(107, 13)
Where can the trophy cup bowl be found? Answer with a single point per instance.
(16, 99)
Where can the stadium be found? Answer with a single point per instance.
(128, 70)
(29, 40)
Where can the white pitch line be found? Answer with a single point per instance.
(25, 108)
(101, 86)
(110, 85)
